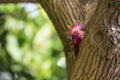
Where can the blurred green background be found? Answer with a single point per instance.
(30, 49)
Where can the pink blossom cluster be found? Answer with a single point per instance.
(77, 33)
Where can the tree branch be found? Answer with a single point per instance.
(63, 14)
(18, 1)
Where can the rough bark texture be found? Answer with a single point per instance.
(99, 58)
(63, 14)
(99, 53)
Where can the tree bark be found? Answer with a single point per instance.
(99, 59)
(99, 55)
(99, 52)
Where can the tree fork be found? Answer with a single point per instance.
(99, 55)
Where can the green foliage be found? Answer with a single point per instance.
(32, 50)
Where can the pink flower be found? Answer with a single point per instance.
(77, 33)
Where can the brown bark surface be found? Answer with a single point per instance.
(99, 59)
(99, 53)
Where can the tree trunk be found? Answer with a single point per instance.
(99, 52)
